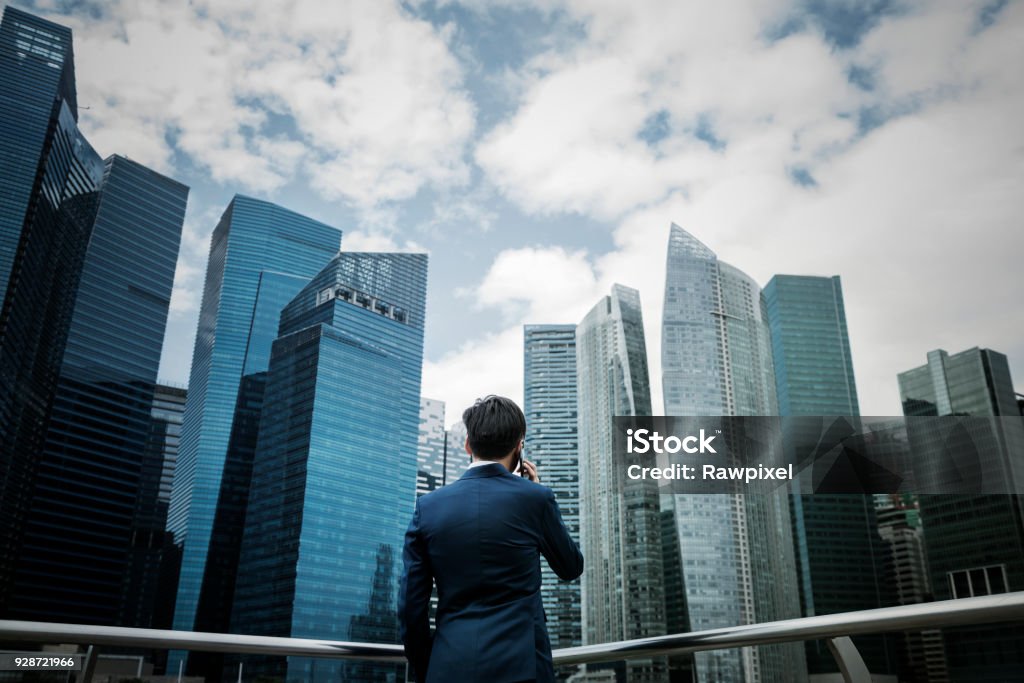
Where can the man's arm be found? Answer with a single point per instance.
(561, 552)
(414, 599)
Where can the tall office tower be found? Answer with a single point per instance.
(620, 528)
(51, 176)
(836, 542)
(335, 469)
(261, 255)
(974, 544)
(430, 452)
(735, 551)
(79, 532)
(549, 386)
(905, 571)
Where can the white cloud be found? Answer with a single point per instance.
(574, 144)
(372, 101)
(358, 240)
(470, 372)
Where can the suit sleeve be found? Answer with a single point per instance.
(562, 553)
(414, 599)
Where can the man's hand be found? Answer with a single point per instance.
(529, 470)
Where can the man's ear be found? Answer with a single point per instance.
(469, 451)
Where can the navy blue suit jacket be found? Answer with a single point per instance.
(480, 539)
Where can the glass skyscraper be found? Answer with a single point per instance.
(442, 453)
(620, 528)
(456, 458)
(974, 544)
(261, 255)
(335, 467)
(87, 256)
(810, 346)
(430, 453)
(549, 401)
(735, 552)
(837, 547)
(51, 177)
(79, 532)
(905, 572)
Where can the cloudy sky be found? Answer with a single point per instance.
(540, 149)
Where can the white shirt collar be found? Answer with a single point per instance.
(478, 463)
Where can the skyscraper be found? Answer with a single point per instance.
(430, 453)
(549, 398)
(455, 455)
(620, 528)
(905, 569)
(837, 547)
(810, 346)
(72, 564)
(974, 544)
(51, 177)
(735, 551)
(261, 255)
(441, 452)
(335, 466)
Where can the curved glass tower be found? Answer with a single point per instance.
(620, 530)
(735, 552)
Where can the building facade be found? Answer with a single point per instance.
(838, 551)
(974, 543)
(261, 256)
(431, 452)
(456, 458)
(336, 462)
(47, 207)
(552, 443)
(620, 525)
(735, 552)
(84, 507)
(922, 655)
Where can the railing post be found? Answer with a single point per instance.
(851, 664)
(89, 666)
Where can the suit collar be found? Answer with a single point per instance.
(492, 469)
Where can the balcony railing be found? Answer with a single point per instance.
(836, 629)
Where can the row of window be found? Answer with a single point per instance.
(358, 298)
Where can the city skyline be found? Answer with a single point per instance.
(901, 135)
(309, 366)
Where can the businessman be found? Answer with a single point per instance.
(480, 540)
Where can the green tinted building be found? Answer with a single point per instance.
(974, 543)
(838, 550)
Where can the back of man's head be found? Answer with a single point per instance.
(494, 426)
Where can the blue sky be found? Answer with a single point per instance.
(539, 149)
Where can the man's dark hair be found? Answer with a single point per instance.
(495, 425)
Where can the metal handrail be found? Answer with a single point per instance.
(835, 628)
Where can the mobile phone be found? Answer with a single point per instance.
(517, 464)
